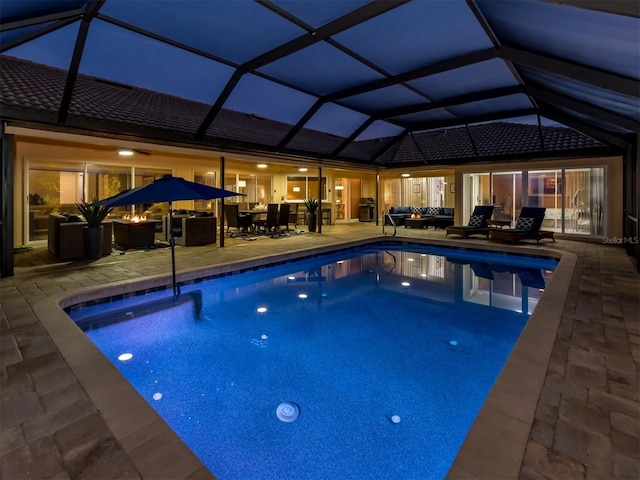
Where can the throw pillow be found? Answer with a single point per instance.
(476, 221)
(525, 223)
(433, 211)
(416, 210)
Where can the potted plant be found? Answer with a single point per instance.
(312, 207)
(94, 215)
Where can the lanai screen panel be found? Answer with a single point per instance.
(603, 41)
(416, 34)
(262, 97)
(590, 94)
(322, 69)
(385, 98)
(493, 105)
(254, 69)
(236, 31)
(53, 49)
(118, 54)
(487, 75)
(373, 141)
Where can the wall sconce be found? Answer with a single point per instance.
(242, 183)
(296, 189)
(125, 152)
(339, 187)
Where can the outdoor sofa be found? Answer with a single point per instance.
(437, 217)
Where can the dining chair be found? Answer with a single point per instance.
(283, 217)
(241, 223)
(270, 223)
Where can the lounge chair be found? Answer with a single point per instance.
(527, 227)
(477, 223)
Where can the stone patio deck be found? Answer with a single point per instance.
(586, 411)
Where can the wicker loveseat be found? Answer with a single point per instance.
(437, 217)
(66, 236)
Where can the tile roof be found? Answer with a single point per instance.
(33, 92)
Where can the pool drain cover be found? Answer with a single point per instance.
(288, 412)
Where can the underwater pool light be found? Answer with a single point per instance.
(125, 356)
(262, 309)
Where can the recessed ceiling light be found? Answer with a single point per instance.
(125, 152)
(406, 174)
(262, 165)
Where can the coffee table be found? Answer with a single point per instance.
(417, 222)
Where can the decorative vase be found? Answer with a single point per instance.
(93, 242)
(313, 221)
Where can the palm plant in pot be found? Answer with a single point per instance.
(94, 215)
(312, 207)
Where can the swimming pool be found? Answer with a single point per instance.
(350, 363)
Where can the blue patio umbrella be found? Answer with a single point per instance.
(167, 189)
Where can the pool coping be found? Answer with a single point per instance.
(493, 448)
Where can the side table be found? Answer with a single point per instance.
(498, 223)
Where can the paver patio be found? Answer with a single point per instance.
(587, 416)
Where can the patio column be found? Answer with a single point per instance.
(319, 213)
(377, 199)
(222, 205)
(6, 203)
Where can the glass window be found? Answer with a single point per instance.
(546, 190)
(301, 188)
(479, 187)
(143, 176)
(296, 188)
(391, 193)
(585, 193)
(210, 179)
(573, 198)
(53, 188)
(507, 195)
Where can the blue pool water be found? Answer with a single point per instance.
(413, 331)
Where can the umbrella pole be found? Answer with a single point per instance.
(172, 244)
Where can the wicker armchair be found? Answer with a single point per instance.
(65, 239)
(196, 231)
